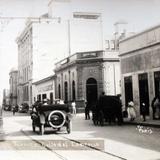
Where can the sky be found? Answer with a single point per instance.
(139, 15)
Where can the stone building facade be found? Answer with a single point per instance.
(140, 68)
(81, 77)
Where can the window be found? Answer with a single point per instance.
(73, 91)
(107, 45)
(51, 97)
(66, 91)
(44, 96)
(39, 97)
(59, 91)
(112, 44)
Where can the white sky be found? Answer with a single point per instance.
(139, 14)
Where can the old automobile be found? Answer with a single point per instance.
(51, 115)
(23, 108)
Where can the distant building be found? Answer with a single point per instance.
(13, 86)
(6, 97)
(44, 89)
(140, 68)
(85, 75)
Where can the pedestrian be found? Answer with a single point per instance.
(131, 111)
(155, 106)
(143, 110)
(87, 110)
(14, 110)
(73, 105)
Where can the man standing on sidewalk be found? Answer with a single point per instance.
(143, 111)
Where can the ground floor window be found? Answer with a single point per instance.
(143, 92)
(44, 96)
(51, 97)
(39, 97)
(59, 91)
(66, 91)
(73, 91)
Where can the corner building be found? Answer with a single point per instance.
(81, 76)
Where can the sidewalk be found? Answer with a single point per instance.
(139, 121)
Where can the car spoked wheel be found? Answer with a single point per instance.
(56, 119)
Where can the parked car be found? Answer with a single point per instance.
(23, 108)
(7, 107)
(55, 116)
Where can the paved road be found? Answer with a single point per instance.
(128, 142)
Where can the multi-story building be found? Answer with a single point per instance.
(37, 51)
(85, 75)
(71, 28)
(140, 68)
(13, 86)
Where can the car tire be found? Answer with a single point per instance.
(61, 114)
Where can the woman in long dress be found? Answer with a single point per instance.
(131, 111)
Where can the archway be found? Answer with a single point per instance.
(66, 91)
(91, 91)
(73, 90)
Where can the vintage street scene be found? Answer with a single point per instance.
(80, 80)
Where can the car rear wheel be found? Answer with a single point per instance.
(56, 119)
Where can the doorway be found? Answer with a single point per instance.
(128, 89)
(91, 91)
(143, 92)
(157, 83)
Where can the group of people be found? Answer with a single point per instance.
(143, 108)
(130, 109)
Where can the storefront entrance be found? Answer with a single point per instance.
(157, 83)
(128, 90)
(143, 92)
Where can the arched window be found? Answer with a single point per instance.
(73, 91)
(66, 91)
(59, 91)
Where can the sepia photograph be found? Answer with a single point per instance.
(80, 79)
